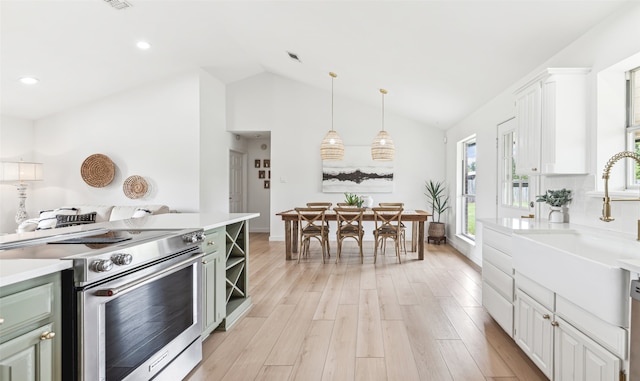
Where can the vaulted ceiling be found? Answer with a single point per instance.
(439, 60)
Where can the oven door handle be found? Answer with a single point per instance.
(116, 290)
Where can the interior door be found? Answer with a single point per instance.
(236, 194)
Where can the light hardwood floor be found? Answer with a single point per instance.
(419, 320)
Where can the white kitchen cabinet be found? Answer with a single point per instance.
(497, 278)
(561, 351)
(551, 114)
(578, 358)
(533, 331)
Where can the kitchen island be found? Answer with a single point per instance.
(26, 279)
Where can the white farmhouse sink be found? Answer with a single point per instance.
(580, 267)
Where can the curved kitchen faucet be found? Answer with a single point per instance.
(606, 207)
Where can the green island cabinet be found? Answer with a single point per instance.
(214, 308)
(30, 330)
(225, 292)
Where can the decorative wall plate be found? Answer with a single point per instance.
(97, 170)
(135, 187)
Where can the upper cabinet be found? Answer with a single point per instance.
(551, 114)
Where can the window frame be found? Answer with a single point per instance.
(632, 127)
(462, 215)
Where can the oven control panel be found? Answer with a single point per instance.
(195, 237)
(101, 265)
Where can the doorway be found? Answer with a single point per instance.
(236, 188)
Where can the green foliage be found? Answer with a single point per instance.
(555, 197)
(437, 197)
(353, 199)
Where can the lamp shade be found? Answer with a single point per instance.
(20, 171)
(332, 147)
(382, 147)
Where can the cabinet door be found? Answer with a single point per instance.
(28, 357)
(213, 291)
(528, 130)
(533, 331)
(578, 358)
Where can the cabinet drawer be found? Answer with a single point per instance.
(498, 258)
(500, 309)
(26, 307)
(497, 240)
(214, 240)
(500, 281)
(535, 290)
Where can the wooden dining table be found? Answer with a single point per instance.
(416, 217)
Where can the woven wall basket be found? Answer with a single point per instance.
(135, 187)
(97, 170)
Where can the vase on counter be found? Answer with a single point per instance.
(556, 215)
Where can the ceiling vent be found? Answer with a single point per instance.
(118, 4)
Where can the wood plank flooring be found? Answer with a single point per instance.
(419, 320)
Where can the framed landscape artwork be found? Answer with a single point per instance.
(357, 173)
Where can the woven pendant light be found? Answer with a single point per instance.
(332, 147)
(382, 147)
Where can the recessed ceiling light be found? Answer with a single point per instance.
(143, 45)
(29, 80)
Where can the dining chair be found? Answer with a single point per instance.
(387, 220)
(326, 205)
(312, 224)
(349, 226)
(402, 225)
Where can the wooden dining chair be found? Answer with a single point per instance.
(349, 226)
(387, 222)
(312, 224)
(402, 225)
(326, 205)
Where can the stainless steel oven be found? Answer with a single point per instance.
(133, 326)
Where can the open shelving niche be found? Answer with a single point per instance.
(237, 273)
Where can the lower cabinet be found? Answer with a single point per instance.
(213, 280)
(30, 330)
(561, 351)
(28, 357)
(213, 292)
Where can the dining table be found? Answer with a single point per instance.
(416, 217)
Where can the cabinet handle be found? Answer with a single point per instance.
(546, 316)
(555, 323)
(204, 262)
(534, 169)
(210, 243)
(47, 335)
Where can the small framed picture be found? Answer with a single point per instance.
(256, 163)
(267, 184)
(261, 174)
(267, 163)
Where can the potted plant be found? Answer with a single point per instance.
(557, 201)
(438, 200)
(353, 199)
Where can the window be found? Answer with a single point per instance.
(633, 125)
(514, 188)
(467, 185)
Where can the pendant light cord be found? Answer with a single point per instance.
(333, 76)
(383, 92)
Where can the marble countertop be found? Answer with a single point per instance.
(17, 270)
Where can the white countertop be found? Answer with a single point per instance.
(17, 270)
(514, 225)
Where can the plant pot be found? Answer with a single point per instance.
(556, 215)
(436, 232)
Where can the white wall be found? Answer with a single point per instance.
(16, 143)
(299, 116)
(171, 132)
(606, 44)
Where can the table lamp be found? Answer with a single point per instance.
(20, 172)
